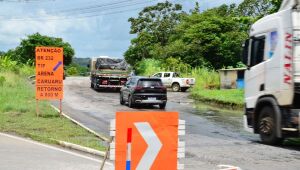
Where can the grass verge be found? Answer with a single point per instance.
(231, 98)
(17, 115)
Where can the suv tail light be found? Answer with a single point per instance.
(162, 88)
(138, 88)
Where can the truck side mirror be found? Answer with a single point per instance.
(245, 57)
(246, 52)
(88, 66)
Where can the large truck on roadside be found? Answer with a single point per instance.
(108, 73)
(272, 80)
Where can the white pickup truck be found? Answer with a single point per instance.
(173, 80)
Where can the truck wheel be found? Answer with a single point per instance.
(184, 89)
(175, 87)
(267, 127)
(121, 99)
(92, 85)
(130, 102)
(162, 106)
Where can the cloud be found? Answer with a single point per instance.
(13, 29)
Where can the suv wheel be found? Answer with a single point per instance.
(121, 99)
(130, 102)
(162, 106)
(175, 87)
(267, 127)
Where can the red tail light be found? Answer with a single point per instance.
(104, 82)
(163, 88)
(123, 82)
(138, 88)
(187, 81)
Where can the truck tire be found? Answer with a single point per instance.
(184, 89)
(130, 102)
(267, 127)
(175, 87)
(121, 99)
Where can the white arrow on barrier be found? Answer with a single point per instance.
(153, 142)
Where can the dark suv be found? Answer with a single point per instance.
(143, 90)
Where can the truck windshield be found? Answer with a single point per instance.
(150, 83)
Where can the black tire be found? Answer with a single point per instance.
(162, 106)
(175, 87)
(92, 85)
(267, 127)
(184, 89)
(130, 102)
(121, 99)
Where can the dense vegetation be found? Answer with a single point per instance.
(212, 38)
(25, 52)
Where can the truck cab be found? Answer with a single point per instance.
(272, 80)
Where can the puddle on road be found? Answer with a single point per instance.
(224, 117)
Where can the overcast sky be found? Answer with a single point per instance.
(93, 27)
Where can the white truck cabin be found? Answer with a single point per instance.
(272, 80)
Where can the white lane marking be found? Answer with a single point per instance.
(228, 167)
(153, 142)
(54, 148)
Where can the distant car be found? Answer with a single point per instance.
(174, 81)
(143, 90)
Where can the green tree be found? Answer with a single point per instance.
(154, 26)
(212, 38)
(25, 52)
(2, 53)
(254, 8)
(258, 8)
(275, 5)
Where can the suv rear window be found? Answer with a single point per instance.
(149, 83)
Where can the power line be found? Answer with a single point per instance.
(25, 1)
(81, 14)
(78, 17)
(95, 8)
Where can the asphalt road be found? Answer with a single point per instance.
(213, 136)
(19, 153)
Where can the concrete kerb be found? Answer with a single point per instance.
(80, 148)
(80, 124)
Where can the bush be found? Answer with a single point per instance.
(148, 67)
(205, 78)
(6, 63)
(2, 81)
(72, 71)
(27, 70)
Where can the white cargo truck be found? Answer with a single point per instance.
(272, 80)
